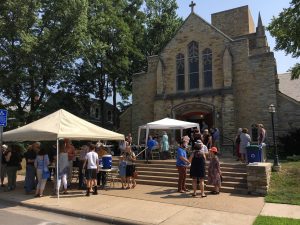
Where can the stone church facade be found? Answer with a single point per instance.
(222, 73)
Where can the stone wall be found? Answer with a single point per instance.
(143, 93)
(126, 122)
(198, 30)
(254, 83)
(234, 22)
(289, 113)
(258, 178)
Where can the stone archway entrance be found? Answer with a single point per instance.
(196, 112)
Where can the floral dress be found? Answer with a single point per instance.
(214, 172)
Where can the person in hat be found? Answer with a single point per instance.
(214, 171)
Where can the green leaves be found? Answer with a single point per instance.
(286, 30)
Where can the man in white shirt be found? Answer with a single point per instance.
(91, 160)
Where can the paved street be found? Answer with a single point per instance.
(18, 215)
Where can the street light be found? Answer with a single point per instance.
(276, 165)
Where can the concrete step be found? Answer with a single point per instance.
(226, 176)
(164, 173)
(234, 190)
(174, 170)
(167, 164)
(189, 181)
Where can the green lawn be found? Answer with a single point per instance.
(285, 185)
(270, 220)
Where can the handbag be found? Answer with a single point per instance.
(46, 173)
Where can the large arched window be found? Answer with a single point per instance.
(180, 72)
(207, 67)
(193, 65)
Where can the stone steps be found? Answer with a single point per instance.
(226, 176)
(164, 173)
(224, 189)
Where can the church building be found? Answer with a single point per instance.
(222, 73)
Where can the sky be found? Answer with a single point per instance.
(267, 9)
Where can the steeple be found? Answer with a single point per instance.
(259, 23)
(260, 29)
(261, 44)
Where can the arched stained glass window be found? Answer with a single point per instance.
(193, 65)
(207, 67)
(180, 72)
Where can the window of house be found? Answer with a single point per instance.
(193, 65)
(109, 116)
(207, 67)
(180, 72)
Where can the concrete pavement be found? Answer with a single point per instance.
(281, 210)
(145, 205)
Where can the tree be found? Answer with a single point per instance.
(38, 42)
(286, 30)
(161, 24)
(104, 64)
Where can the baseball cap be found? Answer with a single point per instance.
(213, 149)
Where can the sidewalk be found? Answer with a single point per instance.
(145, 205)
(281, 210)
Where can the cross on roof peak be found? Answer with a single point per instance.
(192, 5)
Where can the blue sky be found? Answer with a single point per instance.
(267, 9)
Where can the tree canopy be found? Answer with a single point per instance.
(53, 52)
(286, 30)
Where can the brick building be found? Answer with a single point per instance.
(222, 73)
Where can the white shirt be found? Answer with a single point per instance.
(92, 159)
(204, 149)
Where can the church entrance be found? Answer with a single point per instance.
(205, 119)
(196, 112)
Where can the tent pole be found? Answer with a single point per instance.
(57, 156)
(147, 134)
(139, 134)
(181, 133)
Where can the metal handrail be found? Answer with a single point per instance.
(141, 151)
(232, 142)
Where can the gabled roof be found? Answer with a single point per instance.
(207, 23)
(289, 87)
(212, 26)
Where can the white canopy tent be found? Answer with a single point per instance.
(58, 125)
(166, 124)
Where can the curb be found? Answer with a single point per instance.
(88, 216)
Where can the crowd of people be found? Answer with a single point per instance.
(41, 166)
(196, 162)
(243, 140)
(193, 152)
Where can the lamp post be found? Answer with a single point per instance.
(276, 166)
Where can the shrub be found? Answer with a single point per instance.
(290, 142)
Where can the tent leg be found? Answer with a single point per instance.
(57, 155)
